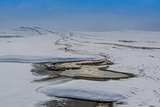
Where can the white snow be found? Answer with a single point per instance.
(141, 91)
(16, 85)
(33, 47)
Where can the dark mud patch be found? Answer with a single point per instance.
(120, 45)
(87, 69)
(11, 36)
(29, 28)
(65, 102)
(129, 46)
(127, 41)
(40, 28)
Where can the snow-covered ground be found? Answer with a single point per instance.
(135, 52)
(17, 88)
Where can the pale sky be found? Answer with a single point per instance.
(82, 15)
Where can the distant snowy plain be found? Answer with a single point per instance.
(136, 52)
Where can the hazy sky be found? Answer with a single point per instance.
(84, 15)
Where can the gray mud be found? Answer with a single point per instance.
(63, 102)
(87, 69)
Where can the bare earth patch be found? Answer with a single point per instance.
(63, 102)
(90, 70)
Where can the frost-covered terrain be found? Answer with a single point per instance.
(134, 52)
